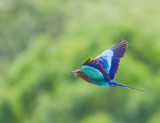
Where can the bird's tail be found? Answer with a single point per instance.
(124, 86)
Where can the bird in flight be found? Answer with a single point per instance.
(101, 70)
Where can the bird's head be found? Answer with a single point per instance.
(82, 75)
(77, 72)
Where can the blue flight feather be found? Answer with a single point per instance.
(110, 58)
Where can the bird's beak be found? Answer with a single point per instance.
(74, 73)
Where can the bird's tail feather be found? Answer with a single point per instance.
(124, 86)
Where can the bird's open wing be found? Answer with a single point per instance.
(110, 58)
(94, 70)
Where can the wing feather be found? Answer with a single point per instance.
(110, 58)
(94, 70)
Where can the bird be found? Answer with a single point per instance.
(101, 70)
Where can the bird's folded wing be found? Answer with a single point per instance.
(94, 70)
(110, 58)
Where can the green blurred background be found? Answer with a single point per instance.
(42, 41)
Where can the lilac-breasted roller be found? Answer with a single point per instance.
(102, 69)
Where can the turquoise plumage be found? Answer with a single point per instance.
(102, 69)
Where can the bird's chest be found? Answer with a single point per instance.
(86, 78)
(101, 82)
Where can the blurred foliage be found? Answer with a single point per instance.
(42, 41)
